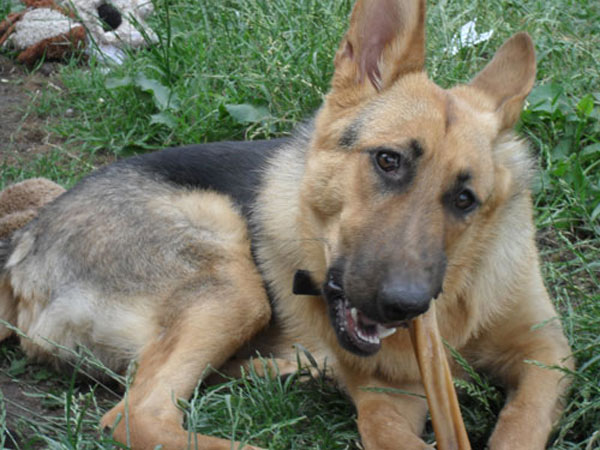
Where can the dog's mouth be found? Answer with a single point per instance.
(355, 331)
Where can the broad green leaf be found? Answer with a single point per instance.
(164, 98)
(17, 367)
(544, 98)
(586, 106)
(246, 113)
(591, 149)
(112, 83)
(561, 151)
(164, 118)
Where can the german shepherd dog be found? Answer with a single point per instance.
(397, 194)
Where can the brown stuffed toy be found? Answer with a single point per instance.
(20, 202)
(58, 29)
(51, 32)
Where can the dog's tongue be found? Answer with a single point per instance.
(364, 320)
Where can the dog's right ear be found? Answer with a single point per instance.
(385, 39)
(508, 78)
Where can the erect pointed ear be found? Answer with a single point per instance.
(509, 77)
(386, 39)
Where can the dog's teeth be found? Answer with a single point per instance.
(384, 332)
(354, 314)
(372, 339)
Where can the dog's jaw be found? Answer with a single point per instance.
(355, 332)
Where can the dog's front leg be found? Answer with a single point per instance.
(388, 420)
(510, 350)
(534, 398)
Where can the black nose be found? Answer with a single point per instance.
(399, 300)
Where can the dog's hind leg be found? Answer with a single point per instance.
(204, 334)
(205, 319)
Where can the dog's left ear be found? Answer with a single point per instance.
(509, 77)
(385, 39)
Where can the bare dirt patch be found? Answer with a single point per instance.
(25, 387)
(23, 133)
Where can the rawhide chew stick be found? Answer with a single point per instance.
(447, 422)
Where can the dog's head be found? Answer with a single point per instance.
(400, 171)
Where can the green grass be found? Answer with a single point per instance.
(254, 69)
(294, 412)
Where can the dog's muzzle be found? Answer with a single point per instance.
(355, 331)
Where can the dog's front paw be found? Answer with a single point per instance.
(389, 435)
(407, 441)
(520, 428)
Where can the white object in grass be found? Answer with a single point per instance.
(468, 37)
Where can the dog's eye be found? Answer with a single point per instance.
(388, 160)
(465, 200)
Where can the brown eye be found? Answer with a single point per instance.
(464, 200)
(388, 161)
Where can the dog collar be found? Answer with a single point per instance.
(304, 284)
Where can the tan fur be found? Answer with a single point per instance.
(19, 204)
(8, 308)
(197, 299)
(493, 293)
(195, 337)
